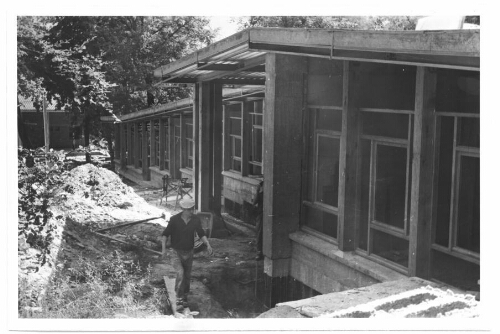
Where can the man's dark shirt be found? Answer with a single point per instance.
(182, 234)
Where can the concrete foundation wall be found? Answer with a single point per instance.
(238, 188)
(320, 265)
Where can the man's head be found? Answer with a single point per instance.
(187, 206)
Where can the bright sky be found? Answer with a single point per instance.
(226, 27)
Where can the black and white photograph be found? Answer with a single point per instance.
(239, 173)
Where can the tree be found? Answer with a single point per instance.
(132, 47)
(91, 65)
(324, 22)
(331, 22)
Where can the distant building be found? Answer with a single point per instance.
(63, 135)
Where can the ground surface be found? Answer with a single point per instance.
(95, 198)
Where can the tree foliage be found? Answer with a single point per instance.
(90, 64)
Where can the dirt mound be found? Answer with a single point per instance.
(89, 198)
(92, 194)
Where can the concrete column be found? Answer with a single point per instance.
(205, 146)
(283, 154)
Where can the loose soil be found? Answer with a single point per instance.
(94, 198)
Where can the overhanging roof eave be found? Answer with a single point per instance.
(459, 46)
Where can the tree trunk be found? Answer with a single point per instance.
(21, 128)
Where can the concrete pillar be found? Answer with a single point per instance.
(283, 132)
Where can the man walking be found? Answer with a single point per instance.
(181, 231)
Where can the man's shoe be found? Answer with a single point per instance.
(179, 305)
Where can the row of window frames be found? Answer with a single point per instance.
(468, 134)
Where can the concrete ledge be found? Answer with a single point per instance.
(349, 259)
(237, 176)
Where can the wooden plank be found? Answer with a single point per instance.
(423, 170)
(250, 63)
(117, 148)
(152, 142)
(196, 134)
(227, 139)
(127, 224)
(126, 243)
(182, 144)
(136, 145)
(146, 173)
(153, 111)
(246, 128)
(217, 148)
(123, 139)
(163, 141)
(349, 204)
(130, 141)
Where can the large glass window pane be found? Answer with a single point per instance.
(327, 183)
(390, 185)
(390, 247)
(235, 124)
(237, 147)
(256, 145)
(468, 204)
(321, 221)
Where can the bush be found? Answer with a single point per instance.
(39, 175)
(97, 290)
